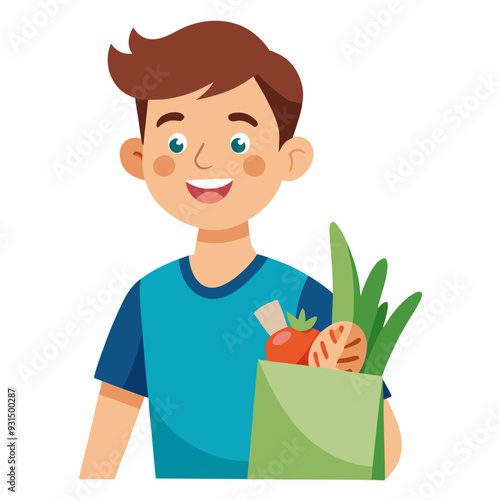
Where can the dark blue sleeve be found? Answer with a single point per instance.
(387, 392)
(317, 300)
(122, 359)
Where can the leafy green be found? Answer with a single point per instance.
(377, 325)
(344, 277)
(362, 308)
(385, 341)
(355, 281)
(369, 299)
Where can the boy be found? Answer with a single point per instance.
(217, 113)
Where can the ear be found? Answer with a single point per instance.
(131, 157)
(299, 155)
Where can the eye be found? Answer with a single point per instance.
(177, 143)
(240, 143)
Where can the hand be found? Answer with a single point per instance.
(341, 346)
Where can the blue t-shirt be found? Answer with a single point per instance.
(193, 351)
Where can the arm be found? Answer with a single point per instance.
(392, 440)
(114, 419)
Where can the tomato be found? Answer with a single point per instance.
(290, 346)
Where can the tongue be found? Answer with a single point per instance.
(209, 196)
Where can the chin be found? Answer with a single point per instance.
(217, 225)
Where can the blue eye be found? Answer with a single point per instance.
(177, 143)
(240, 143)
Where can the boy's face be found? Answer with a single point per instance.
(214, 162)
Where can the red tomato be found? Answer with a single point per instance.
(290, 346)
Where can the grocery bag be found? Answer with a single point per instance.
(316, 423)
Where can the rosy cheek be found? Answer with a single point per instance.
(164, 166)
(254, 165)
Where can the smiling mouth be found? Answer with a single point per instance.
(209, 190)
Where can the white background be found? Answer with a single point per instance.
(61, 239)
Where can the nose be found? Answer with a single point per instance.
(197, 156)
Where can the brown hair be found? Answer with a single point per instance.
(220, 53)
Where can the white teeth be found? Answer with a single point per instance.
(209, 183)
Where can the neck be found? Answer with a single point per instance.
(220, 255)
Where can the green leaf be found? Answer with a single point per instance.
(369, 300)
(377, 326)
(385, 341)
(301, 324)
(378, 322)
(310, 323)
(355, 281)
(343, 277)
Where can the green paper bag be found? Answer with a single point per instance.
(316, 423)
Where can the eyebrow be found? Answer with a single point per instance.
(235, 117)
(169, 116)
